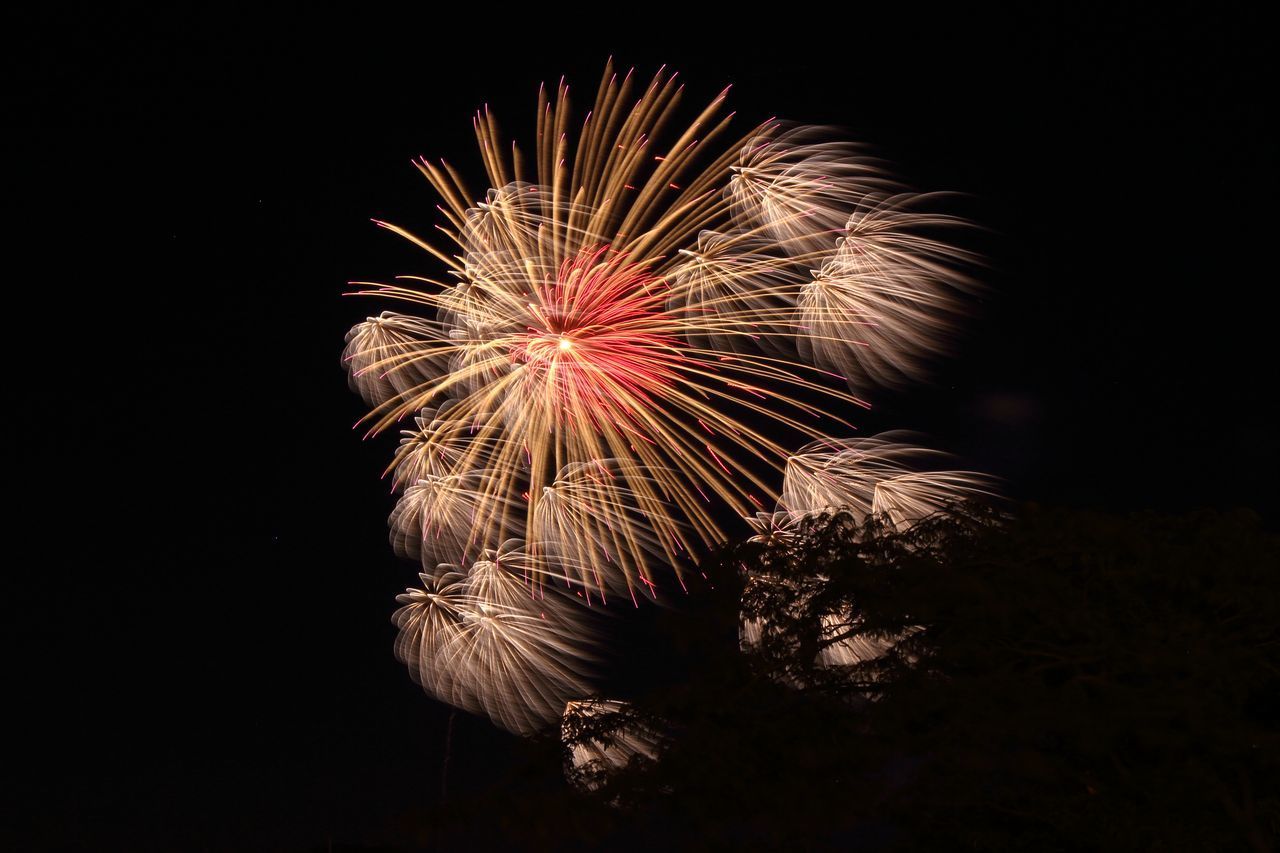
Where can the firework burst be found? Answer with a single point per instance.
(631, 319)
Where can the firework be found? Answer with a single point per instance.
(882, 304)
(591, 517)
(633, 324)
(775, 528)
(486, 641)
(387, 338)
(881, 475)
(801, 186)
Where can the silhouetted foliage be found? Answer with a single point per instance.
(1057, 680)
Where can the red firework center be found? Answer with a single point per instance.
(599, 341)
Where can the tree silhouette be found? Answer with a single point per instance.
(1045, 679)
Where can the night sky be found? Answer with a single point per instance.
(202, 651)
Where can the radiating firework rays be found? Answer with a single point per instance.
(631, 319)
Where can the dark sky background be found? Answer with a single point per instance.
(200, 634)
